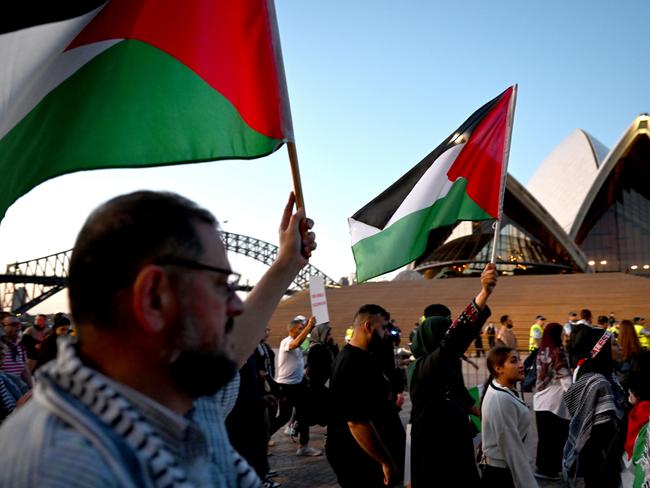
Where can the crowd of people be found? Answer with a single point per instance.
(167, 378)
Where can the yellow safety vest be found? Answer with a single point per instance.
(348, 334)
(644, 340)
(531, 342)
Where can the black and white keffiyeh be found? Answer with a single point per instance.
(94, 391)
(101, 402)
(591, 400)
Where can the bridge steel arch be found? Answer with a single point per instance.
(26, 284)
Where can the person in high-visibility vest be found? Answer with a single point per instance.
(643, 332)
(536, 331)
(348, 334)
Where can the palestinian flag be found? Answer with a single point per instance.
(135, 83)
(459, 180)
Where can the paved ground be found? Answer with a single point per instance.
(315, 472)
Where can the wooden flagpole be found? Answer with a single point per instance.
(504, 172)
(295, 174)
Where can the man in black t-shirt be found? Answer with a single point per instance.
(358, 441)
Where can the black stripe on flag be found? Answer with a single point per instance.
(20, 15)
(378, 212)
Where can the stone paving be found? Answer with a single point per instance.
(315, 472)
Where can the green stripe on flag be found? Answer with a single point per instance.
(405, 240)
(131, 106)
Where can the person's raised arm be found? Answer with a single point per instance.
(296, 245)
(303, 334)
(488, 282)
(466, 327)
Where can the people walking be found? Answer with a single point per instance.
(506, 336)
(551, 414)
(359, 446)
(490, 333)
(290, 378)
(505, 424)
(440, 401)
(597, 406)
(536, 331)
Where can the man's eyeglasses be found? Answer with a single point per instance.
(232, 279)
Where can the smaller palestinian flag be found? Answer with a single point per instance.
(136, 83)
(460, 180)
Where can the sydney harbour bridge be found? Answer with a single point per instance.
(26, 284)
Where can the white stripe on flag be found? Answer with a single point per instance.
(361, 230)
(433, 186)
(32, 65)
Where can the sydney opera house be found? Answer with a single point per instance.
(586, 209)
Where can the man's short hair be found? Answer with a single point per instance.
(366, 310)
(436, 310)
(504, 319)
(603, 320)
(294, 322)
(585, 314)
(121, 236)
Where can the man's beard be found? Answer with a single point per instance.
(375, 342)
(201, 372)
(509, 326)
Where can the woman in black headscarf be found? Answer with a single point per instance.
(597, 406)
(441, 434)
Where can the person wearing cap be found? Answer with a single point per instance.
(567, 328)
(602, 322)
(290, 377)
(536, 332)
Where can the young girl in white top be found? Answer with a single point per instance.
(505, 424)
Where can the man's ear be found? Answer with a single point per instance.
(367, 326)
(153, 298)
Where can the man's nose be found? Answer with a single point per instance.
(235, 306)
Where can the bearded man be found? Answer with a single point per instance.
(139, 399)
(359, 432)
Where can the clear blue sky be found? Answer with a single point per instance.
(375, 86)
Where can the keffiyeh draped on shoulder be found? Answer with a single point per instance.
(591, 400)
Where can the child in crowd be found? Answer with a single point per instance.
(505, 424)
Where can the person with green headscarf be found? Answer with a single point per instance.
(441, 434)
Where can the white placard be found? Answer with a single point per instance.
(318, 299)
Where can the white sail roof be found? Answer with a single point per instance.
(566, 175)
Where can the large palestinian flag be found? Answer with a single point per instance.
(134, 83)
(460, 180)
